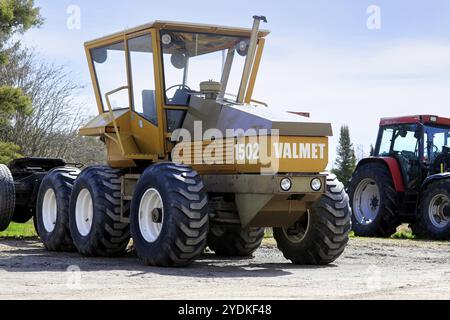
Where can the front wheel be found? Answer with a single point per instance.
(374, 201)
(434, 211)
(321, 236)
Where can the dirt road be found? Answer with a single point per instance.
(384, 269)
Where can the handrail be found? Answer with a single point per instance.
(111, 113)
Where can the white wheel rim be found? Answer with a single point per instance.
(150, 229)
(436, 211)
(84, 212)
(49, 210)
(366, 202)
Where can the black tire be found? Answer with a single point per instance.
(184, 226)
(322, 236)
(22, 214)
(386, 220)
(233, 241)
(58, 183)
(106, 236)
(425, 226)
(7, 197)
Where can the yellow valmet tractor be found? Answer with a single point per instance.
(193, 160)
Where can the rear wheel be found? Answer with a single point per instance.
(434, 211)
(94, 214)
(374, 201)
(169, 217)
(320, 237)
(52, 209)
(234, 241)
(7, 197)
(22, 214)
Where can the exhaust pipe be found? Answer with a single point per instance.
(250, 57)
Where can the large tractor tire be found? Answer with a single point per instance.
(94, 214)
(233, 241)
(7, 197)
(321, 236)
(434, 211)
(169, 216)
(52, 209)
(374, 201)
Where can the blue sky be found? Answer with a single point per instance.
(320, 57)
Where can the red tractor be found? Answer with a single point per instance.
(406, 180)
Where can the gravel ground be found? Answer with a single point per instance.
(369, 269)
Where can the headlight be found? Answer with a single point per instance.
(286, 184)
(316, 184)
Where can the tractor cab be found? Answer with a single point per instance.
(146, 79)
(407, 179)
(420, 145)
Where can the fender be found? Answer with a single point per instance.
(394, 169)
(435, 177)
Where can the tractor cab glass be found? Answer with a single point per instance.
(110, 65)
(403, 143)
(192, 58)
(400, 140)
(437, 139)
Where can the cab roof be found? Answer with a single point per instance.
(424, 119)
(184, 26)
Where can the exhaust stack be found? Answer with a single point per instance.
(250, 57)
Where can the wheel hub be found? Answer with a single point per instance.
(439, 211)
(366, 201)
(157, 215)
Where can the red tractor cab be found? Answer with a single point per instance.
(406, 180)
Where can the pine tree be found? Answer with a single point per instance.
(346, 158)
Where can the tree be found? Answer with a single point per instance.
(16, 17)
(346, 158)
(51, 129)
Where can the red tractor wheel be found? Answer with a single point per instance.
(374, 201)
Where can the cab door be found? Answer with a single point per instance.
(146, 112)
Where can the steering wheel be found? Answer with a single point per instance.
(180, 86)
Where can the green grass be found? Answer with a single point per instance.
(19, 231)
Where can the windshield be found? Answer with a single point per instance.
(192, 58)
(401, 139)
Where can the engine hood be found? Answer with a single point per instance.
(226, 116)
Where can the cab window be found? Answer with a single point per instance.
(111, 73)
(143, 77)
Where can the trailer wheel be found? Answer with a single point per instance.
(52, 213)
(229, 241)
(169, 216)
(374, 201)
(22, 214)
(322, 235)
(434, 211)
(7, 197)
(94, 214)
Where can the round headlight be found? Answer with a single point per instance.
(316, 184)
(286, 184)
